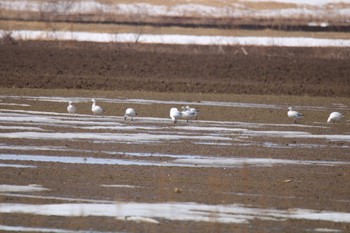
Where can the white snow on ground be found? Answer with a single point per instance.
(305, 8)
(175, 39)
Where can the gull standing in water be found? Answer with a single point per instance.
(294, 114)
(335, 117)
(130, 112)
(175, 114)
(95, 108)
(71, 108)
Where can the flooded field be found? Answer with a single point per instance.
(243, 166)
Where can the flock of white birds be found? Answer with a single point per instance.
(333, 117)
(189, 113)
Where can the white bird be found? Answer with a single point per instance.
(187, 115)
(175, 114)
(191, 112)
(335, 117)
(71, 108)
(95, 108)
(294, 114)
(130, 112)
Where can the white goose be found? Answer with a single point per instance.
(192, 112)
(130, 112)
(187, 113)
(71, 108)
(175, 114)
(95, 108)
(294, 114)
(335, 117)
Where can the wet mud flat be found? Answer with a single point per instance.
(243, 166)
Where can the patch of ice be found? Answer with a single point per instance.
(21, 188)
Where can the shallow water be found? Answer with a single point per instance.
(16, 165)
(36, 126)
(177, 211)
(182, 161)
(60, 99)
(33, 125)
(20, 188)
(41, 229)
(33, 139)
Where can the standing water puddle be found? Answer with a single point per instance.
(238, 214)
(190, 161)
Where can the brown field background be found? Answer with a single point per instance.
(171, 68)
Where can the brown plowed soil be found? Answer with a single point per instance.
(170, 68)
